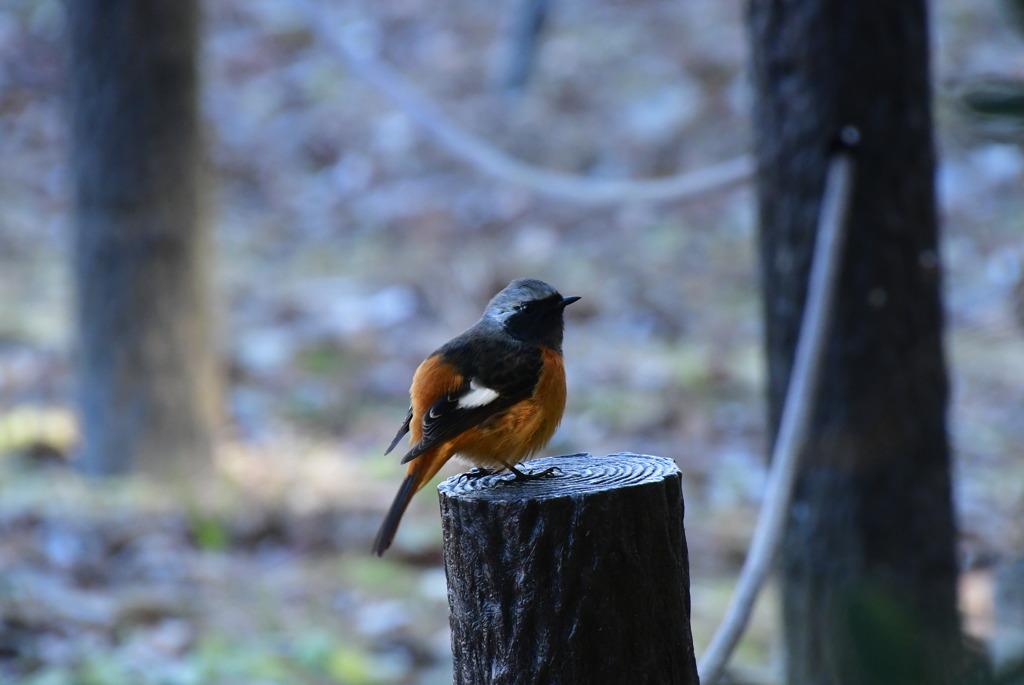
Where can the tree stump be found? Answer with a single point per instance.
(580, 577)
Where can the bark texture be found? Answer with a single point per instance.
(578, 578)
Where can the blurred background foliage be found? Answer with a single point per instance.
(349, 245)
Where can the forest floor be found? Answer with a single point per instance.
(350, 243)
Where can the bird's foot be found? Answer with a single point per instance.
(549, 472)
(475, 474)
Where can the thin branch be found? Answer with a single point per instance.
(796, 414)
(489, 159)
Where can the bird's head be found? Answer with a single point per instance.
(531, 311)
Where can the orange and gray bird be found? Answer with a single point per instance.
(493, 395)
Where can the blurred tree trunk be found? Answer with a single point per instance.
(147, 380)
(869, 577)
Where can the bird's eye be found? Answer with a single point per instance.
(523, 307)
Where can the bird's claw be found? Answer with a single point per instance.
(474, 474)
(549, 472)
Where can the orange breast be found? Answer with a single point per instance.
(517, 433)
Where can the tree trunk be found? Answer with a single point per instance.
(869, 584)
(147, 376)
(578, 578)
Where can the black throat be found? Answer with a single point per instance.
(539, 323)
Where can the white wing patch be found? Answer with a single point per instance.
(478, 395)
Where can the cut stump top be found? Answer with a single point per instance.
(577, 475)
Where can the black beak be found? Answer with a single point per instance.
(566, 301)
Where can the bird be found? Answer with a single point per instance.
(493, 395)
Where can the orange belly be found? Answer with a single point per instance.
(517, 433)
(503, 440)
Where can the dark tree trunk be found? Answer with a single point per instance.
(578, 578)
(869, 562)
(147, 379)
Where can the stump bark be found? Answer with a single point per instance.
(580, 577)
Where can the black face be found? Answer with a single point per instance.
(531, 311)
(539, 322)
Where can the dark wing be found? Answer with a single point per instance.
(401, 432)
(498, 374)
(446, 419)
